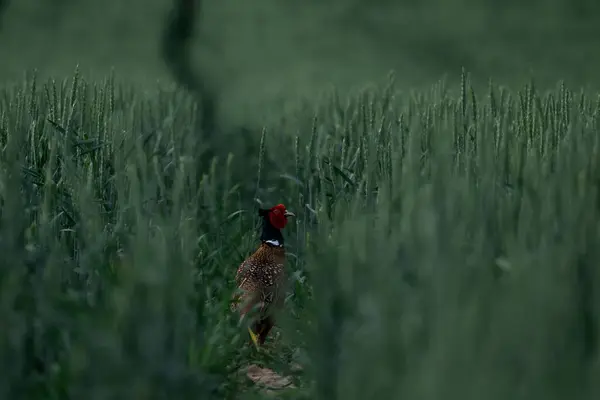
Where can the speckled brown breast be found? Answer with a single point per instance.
(263, 275)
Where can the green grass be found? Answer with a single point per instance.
(446, 244)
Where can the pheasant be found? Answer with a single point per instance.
(261, 277)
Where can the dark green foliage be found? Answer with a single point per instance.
(445, 245)
(176, 48)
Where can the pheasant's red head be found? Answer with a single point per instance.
(278, 216)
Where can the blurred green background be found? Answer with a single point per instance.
(473, 280)
(261, 52)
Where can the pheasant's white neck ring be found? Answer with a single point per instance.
(274, 243)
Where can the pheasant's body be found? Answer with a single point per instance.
(263, 273)
(261, 278)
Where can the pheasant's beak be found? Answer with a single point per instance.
(289, 214)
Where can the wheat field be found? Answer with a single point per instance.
(446, 244)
